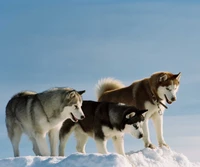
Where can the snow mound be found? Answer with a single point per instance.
(144, 158)
(73, 160)
(159, 158)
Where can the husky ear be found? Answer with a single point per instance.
(71, 94)
(163, 78)
(178, 76)
(140, 112)
(132, 114)
(81, 92)
(134, 119)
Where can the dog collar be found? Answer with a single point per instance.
(163, 105)
(158, 102)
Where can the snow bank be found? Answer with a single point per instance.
(144, 158)
(159, 158)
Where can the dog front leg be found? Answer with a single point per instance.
(54, 139)
(146, 138)
(158, 123)
(81, 139)
(101, 145)
(118, 142)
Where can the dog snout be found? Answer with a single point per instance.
(82, 117)
(140, 136)
(173, 99)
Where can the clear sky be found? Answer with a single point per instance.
(76, 42)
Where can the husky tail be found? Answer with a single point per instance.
(107, 84)
(25, 93)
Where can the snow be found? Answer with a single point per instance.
(159, 157)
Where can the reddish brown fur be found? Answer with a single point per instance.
(139, 91)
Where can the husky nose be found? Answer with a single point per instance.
(140, 136)
(173, 99)
(82, 117)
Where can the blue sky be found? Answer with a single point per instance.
(75, 43)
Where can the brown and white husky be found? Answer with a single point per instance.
(149, 93)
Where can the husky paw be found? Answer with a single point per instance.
(150, 145)
(133, 165)
(163, 145)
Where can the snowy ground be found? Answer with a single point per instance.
(144, 158)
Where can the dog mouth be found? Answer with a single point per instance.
(74, 119)
(169, 102)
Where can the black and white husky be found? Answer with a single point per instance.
(103, 120)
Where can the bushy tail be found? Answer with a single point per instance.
(24, 93)
(107, 84)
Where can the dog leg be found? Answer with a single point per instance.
(15, 134)
(118, 142)
(64, 136)
(35, 147)
(42, 144)
(81, 139)
(158, 123)
(146, 138)
(53, 139)
(101, 146)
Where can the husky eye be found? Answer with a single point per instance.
(168, 89)
(76, 107)
(135, 126)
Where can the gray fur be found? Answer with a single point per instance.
(37, 114)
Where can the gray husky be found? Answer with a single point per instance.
(103, 120)
(37, 114)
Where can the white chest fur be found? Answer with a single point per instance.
(111, 132)
(152, 108)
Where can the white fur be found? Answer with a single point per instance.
(106, 84)
(75, 110)
(81, 138)
(54, 139)
(52, 128)
(54, 132)
(130, 129)
(152, 111)
(42, 144)
(109, 133)
(170, 91)
(101, 146)
(130, 115)
(156, 113)
(117, 137)
(118, 142)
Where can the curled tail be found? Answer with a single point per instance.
(24, 93)
(107, 84)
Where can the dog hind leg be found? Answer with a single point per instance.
(35, 146)
(15, 133)
(42, 144)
